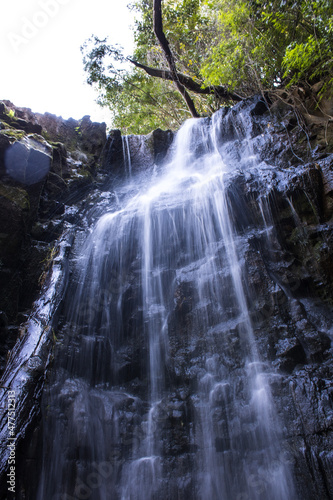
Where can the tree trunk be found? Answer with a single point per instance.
(158, 30)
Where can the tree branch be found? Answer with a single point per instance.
(188, 82)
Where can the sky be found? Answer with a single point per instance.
(40, 58)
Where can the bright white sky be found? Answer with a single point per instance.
(40, 58)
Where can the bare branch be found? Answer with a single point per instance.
(188, 82)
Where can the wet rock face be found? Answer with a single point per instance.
(40, 180)
(281, 207)
(289, 272)
(26, 164)
(128, 155)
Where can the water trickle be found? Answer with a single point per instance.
(127, 155)
(163, 275)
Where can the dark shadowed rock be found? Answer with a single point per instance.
(113, 157)
(162, 140)
(26, 164)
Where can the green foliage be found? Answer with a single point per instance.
(260, 45)
(305, 59)
(187, 28)
(226, 63)
(143, 104)
(245, 46)
(140, 103)
(306, 27)
(102, 62)
(239, 56)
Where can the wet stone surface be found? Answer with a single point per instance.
(193, 351)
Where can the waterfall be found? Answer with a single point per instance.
(127, 155)
(158, 389)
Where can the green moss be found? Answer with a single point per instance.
(13, 133)
(47, 263)
(85, 173)
(37, 137)
(298, 241)
(305, 209)
(78, 130)
(47, 137)
(15, 195)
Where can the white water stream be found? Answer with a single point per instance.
(172, 228)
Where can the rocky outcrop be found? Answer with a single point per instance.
(23, 379)
(131, 154)
(312, 110)
(46, 164)
(81, 135)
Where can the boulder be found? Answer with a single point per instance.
(28, 161)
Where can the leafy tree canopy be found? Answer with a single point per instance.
(262, 44)
(242, 46)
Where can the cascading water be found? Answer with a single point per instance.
(162, 274)
(127, 155)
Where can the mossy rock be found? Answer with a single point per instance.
(40, 139)
(14, 216)
(85, 174)
(15, 195)
(13, 134)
